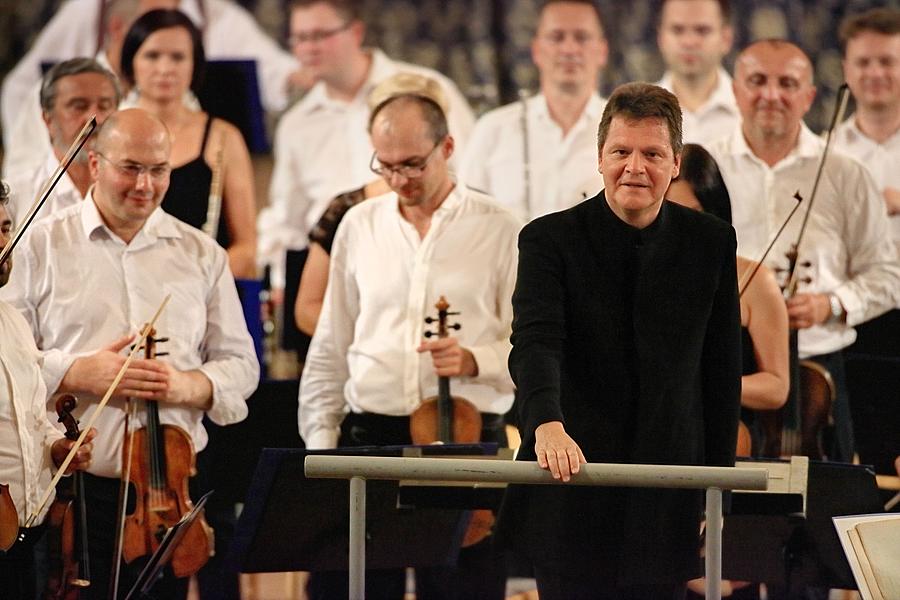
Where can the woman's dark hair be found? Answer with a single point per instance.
(700, 171)
(151, 22)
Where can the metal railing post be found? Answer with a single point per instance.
(357, 558)
(713, 543)
(357, 469)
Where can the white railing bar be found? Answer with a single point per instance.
(478, 470)
(359, 468)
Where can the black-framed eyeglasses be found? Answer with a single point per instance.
(317, 35)
(414, 167)
(133, 170)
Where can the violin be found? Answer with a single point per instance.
(9, 519)
(796, 428)
(70, 571)
(450, 419)
(159, 464)
(444, 418)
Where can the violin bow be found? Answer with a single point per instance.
(836, 118)
(109, 392)
(48, 186)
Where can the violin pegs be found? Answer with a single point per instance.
(456, 326)
(430, 320)
(158, 354)
(161, 340)
(429, 334)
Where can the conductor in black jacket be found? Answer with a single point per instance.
(626, 349)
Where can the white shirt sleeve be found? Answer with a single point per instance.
(873, 286)
(282, 224)
(492, 359)
(229, 359)
(321, 402)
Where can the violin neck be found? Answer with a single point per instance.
(156, 451)
(445, 411)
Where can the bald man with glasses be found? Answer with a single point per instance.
(369, 365)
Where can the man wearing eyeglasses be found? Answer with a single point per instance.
(539, 155)
(91, 275)
(321, 146)
(369, 365)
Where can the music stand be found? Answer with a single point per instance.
(291, 523)
(160, 558)
(789, 552)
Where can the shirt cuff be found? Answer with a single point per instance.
(852, 304)
(228, 403)
(490, 368)
(55, 365)
(322, 439)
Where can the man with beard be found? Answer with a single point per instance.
(71, 92)
(30, 446)
(853, 274)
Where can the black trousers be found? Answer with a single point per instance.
(480, 573)
(17, 574)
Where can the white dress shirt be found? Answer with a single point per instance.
(562, 168)
(229, 32)
(715, 119)
(322, 149)
(80, 287)
(881, 160)
(24, 186)
(847, 240)
(26, 433)
(383, 281)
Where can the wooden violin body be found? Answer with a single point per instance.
(159, 461)
(9, 519)
(69, 570)
(65, 581)
(816, 396)
(450, 419)
(162, 499)
(424, 423)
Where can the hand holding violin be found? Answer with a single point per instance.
(82, 460)
(145, 379)
(449, 358)
(806, 310)
(189, 388)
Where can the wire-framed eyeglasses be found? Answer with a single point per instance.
(411, 168)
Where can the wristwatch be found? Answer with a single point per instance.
(837, 309)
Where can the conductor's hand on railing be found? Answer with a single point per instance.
(556, 451)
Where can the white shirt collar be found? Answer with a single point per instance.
(156, 226)
(381, 68)
(808, 145)
(854, 134)
(722, 96)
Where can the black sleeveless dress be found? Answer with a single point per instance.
(188, 196)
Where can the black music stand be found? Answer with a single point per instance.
(160, 558)
(790, 553)
(291, 523)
